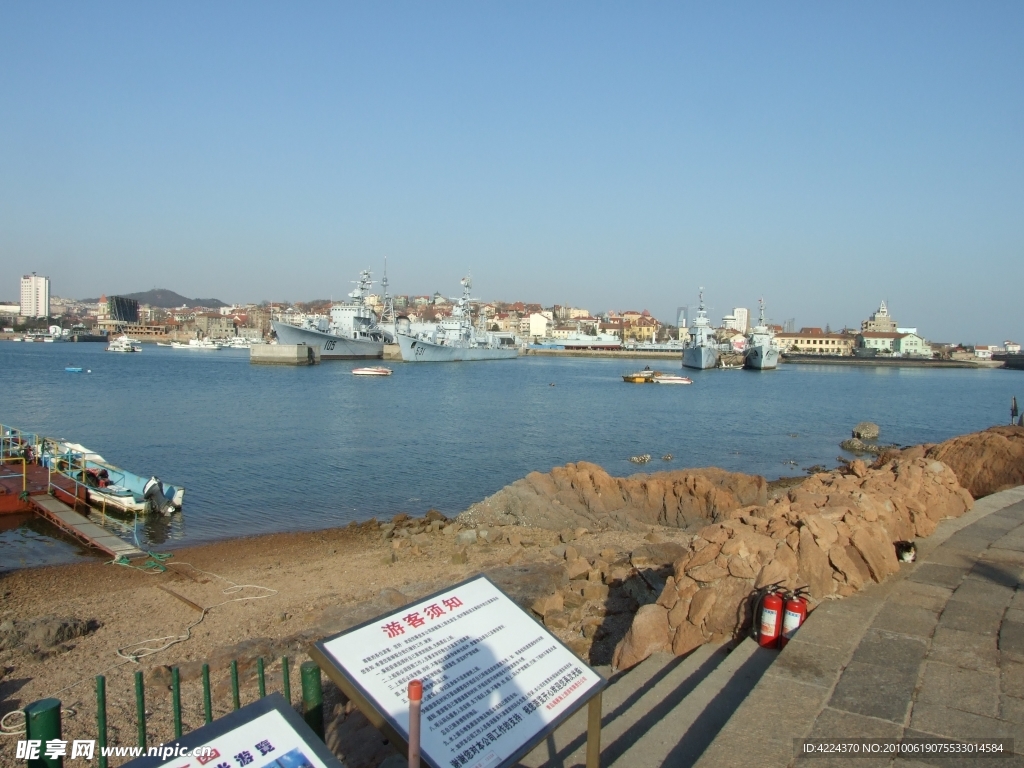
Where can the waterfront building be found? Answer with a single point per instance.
(35, 296)
(983, 352)
(539, 324)
(877, 340)
(642, 329)
(880, 321)
(215, 325)
(1011, 347)
(815, 341)
(911, 345)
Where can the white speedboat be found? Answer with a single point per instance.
(373, 371)
(124, 344)
(668, 378)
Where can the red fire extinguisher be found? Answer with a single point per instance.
(769, 617)
(795, 615)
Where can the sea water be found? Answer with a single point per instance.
(262, 449)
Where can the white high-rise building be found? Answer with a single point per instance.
(738, 320)
(35, 296)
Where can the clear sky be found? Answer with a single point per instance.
(606, 155)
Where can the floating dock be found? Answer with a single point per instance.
(79, 526)
(25, 488)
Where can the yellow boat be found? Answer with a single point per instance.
(646, 376)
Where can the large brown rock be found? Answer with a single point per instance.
(815, 569)
(583, 494)
(984, 462)
(878, 552)
(648, 634)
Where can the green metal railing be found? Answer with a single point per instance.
(43, 718)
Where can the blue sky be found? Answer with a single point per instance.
(609, 155)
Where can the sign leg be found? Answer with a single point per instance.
(594, 732)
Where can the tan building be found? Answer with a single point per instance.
(815, 341)
(879, 322)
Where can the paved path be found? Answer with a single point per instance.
(937, 650)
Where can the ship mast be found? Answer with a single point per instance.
(388, 313)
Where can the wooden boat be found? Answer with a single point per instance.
(372, 371)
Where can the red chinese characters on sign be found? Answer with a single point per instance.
(204, 759)
(415, 620)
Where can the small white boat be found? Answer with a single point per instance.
(668, 378)
(196, 344)
(373, 371)
(124, 344)
(164, 344)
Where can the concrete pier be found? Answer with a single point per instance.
(284, 354)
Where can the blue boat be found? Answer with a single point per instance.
(108, 486)
(73, 369)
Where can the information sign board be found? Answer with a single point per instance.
(265, 734)
(495, 682)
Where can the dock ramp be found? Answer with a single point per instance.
(79, 526)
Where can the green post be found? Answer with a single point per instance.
(261, 678)
(140, 708)
(101, 718)
(286, 681)
(312, 697)
(42, 723)
(234, 684)
(176, 701)
(207, 702)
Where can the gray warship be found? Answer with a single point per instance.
(453, 338)
(701, 350)
(762, 350)
(350, 333)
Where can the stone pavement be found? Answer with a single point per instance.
(937, 650)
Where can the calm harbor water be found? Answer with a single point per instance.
(264, 449)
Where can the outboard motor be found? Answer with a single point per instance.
(153, 493)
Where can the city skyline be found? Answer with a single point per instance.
(823, 158)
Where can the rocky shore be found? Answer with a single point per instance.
(616, 567)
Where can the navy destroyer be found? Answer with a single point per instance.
(350, 333)
(762, 350)
(701, 350)
(453, 338)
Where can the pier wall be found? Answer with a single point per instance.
(284, 354)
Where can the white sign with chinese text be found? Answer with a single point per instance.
(494, 680)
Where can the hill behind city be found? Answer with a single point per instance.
(166, 299)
